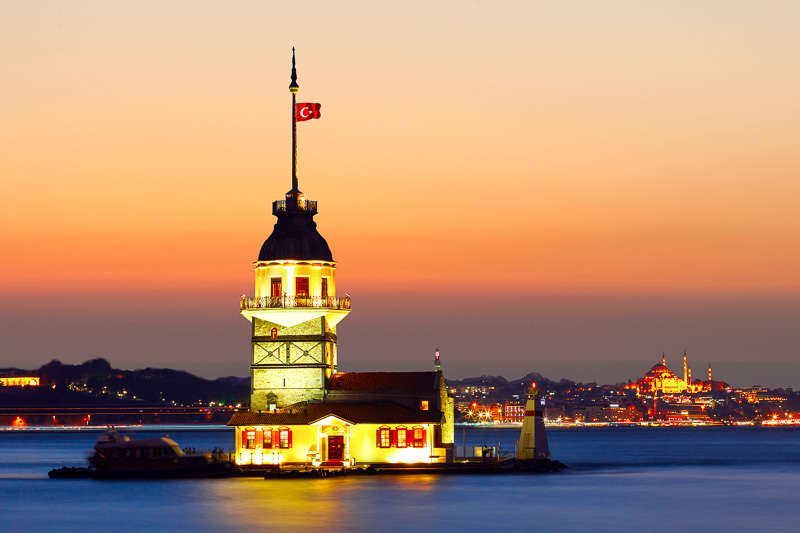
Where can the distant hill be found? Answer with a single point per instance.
(498, 387)
(96, 382)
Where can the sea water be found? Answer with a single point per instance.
(620, 479)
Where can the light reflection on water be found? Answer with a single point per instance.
(652, 499)
(332, 502)
(621, 480)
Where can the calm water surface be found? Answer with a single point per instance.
(621, 479)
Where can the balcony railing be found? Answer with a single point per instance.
(279, 206)
(287, 301)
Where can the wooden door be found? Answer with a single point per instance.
(335, 448)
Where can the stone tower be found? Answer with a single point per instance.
(295, 310)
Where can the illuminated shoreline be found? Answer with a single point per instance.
(666, 423)
(508, 425)
(132, 427)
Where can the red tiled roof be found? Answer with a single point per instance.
(384, 381)
(356, 413)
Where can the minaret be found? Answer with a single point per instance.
(685, 375)
(690, 374)
(295, 310)
(663, 359)
(436, 364)
(709, 373)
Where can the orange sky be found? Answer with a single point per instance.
(517, 148)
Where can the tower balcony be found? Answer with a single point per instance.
(288, 302)
(279, 206)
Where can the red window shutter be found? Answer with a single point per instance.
(424, 438)
(410, 438)
(378, 438)
(244, 438)
(290, 437)
(276, 438)
(259, 439)
(393, 437)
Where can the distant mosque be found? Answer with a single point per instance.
(662, 379)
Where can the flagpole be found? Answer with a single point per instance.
(293, 87)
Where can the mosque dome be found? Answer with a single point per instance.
(661, 371)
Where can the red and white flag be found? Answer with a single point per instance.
(306, 111)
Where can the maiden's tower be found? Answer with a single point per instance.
(302, 410)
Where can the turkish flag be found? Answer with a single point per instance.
(306, 111)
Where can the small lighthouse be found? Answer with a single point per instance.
(533, 438)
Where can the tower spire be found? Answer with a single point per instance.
(293, 87)
(436, 363)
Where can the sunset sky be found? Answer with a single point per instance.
(569, 188)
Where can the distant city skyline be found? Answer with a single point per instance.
(570, 189)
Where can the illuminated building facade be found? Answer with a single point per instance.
(19, 381)
(513, 412)
(602, 414)
(367, 418)
(662, 379)
(302, 410)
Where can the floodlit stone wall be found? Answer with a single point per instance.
(315, 327)
(290, 385)
(293, 366)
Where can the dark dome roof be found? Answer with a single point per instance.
(295, 236)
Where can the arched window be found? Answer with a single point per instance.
(249, 438)
(419, 437)
(402, 437)
(285, 437)
(383, 437)
(272, 401)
